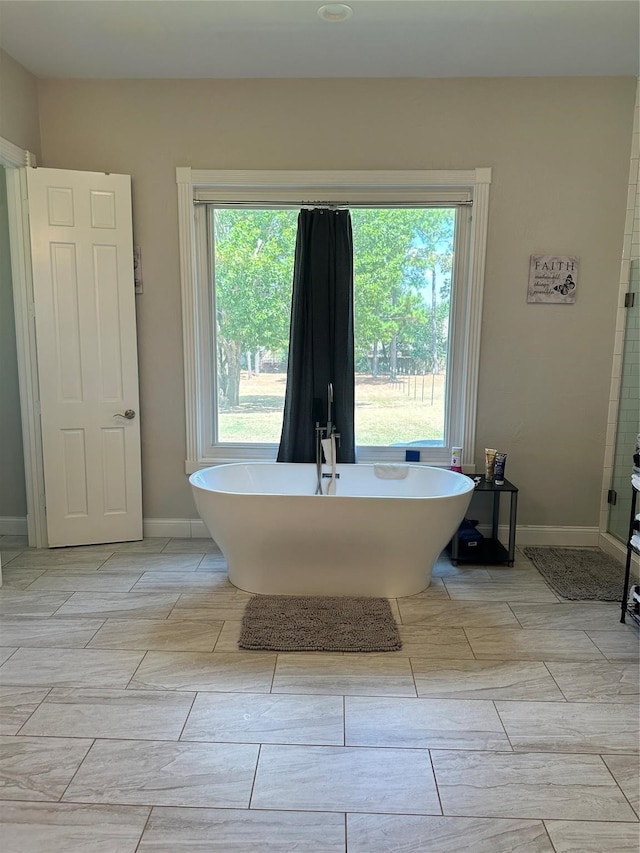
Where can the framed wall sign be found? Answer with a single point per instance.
(553, 278)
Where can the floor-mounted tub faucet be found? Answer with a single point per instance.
(326, 440)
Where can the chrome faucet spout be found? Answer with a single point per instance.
(329, 407)
(319, 432)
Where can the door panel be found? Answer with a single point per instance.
(82, 255)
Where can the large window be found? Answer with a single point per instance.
(251, 254)
(403, 265)
(418, 260)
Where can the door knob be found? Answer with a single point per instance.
(129, 414)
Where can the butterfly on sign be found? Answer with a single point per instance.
(566, 286)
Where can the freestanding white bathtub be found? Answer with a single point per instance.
(375, 537)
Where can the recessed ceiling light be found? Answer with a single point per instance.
(335, 12)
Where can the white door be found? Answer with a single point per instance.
(82, 258)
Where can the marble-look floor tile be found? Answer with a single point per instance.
(18, 578)
(86, 581)
(169, 635)
(339, 778)
(175, 830)
(93, 713)
(456, 614)
(35, 768)
(7, 555)
(214, 599)
(528, 644)
(69, 828)
(211, 604)
(522, 570)
(538, 786)
(571, 836)
(70, 667)
(152, 562)
(151, 545)
(582, 727)
(137, 546)
(426, 642)
(353, 674)
(140, 605)
(617, 645)
(484, 679)
(183, 582)
(393, 604)
(68, 569)
(372, 833)
(247, 673)
(129, 772)
(32, 631)
(266, 718)
(436, 591)
(17, 704)
(625, 769)
(568, 616)
(229, 636)
(596, 681)
(36, 559)
(423, 723)
(227, 612)
(17, 602)
(464, 571)
(195, 545)
(6, 652)
(499, 590)
(214, 562)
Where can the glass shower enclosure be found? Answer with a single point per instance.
(628, 426)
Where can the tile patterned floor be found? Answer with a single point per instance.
(130, 722)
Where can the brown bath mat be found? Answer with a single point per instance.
(579, 574)
(290, 623)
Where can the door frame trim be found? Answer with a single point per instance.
(16, 160)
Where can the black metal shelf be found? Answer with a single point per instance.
(631, 549)
(491, 550)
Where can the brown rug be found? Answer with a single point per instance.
(579, 574)
(291, 623)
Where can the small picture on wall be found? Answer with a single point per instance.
(553, 278)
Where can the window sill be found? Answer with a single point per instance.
(191, 466)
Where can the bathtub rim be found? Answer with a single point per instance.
(311, 465)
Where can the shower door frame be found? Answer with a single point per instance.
(15, 160)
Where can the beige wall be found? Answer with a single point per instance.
(19, 120)
(559, 150)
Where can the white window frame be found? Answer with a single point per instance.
(468, 188)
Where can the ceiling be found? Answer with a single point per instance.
(286, 38)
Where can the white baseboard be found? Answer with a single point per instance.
(618, 550)
(186, 528)
(555, 537)
(175, 528)
(194, 528)
(552, 537)
(13, 526)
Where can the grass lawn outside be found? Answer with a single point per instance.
(410, 409)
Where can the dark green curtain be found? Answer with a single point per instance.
(321, 336)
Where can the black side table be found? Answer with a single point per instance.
(493, 551)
